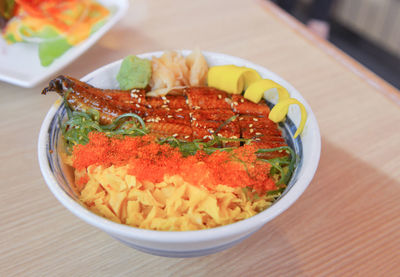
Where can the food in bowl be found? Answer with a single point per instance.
(176, 154)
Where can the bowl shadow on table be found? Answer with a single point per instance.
(313, 234)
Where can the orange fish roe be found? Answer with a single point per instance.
(150, 161)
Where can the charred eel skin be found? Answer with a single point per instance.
(109, 103)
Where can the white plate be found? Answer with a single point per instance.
(20, 64)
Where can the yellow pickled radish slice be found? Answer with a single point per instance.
(231, 78)
(280, 110)
(256, 90)
(250, 76)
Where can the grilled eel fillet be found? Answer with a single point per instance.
(192, 113)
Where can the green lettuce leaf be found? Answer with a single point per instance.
(50, 50)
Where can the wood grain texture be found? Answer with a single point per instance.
(347, 223)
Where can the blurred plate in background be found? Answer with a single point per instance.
(20, 64)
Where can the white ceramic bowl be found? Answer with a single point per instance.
(188, 243)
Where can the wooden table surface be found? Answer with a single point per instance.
(347, 223)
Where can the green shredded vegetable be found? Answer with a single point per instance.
(284, 165)
(79, 124)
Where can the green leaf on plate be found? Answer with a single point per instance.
(50, 50)
(10, 38)
(48, 32)
(97, 26)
